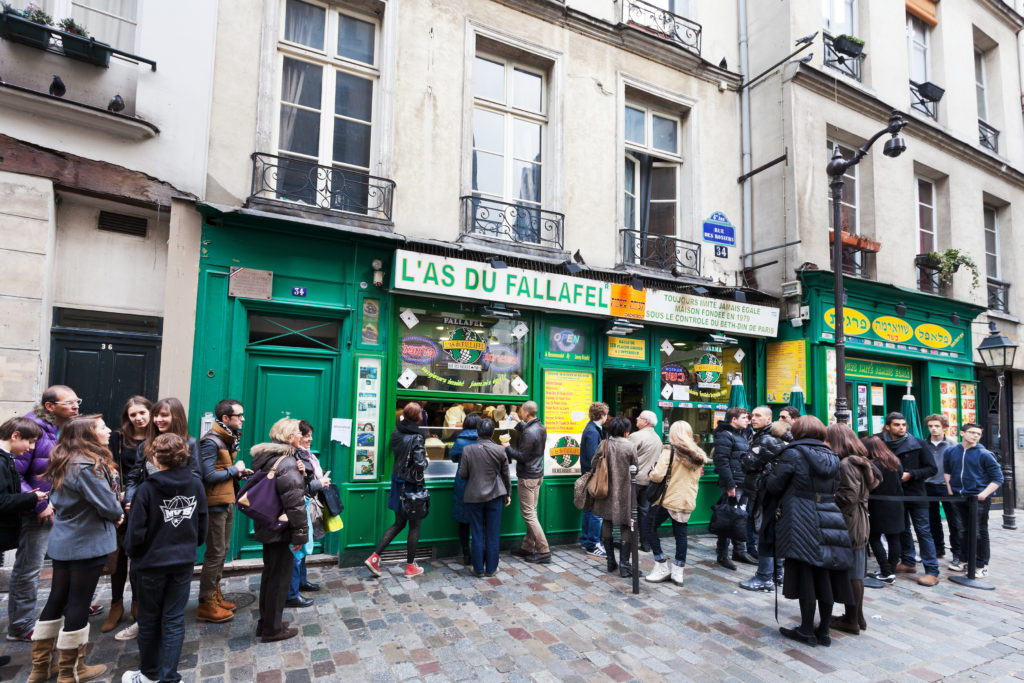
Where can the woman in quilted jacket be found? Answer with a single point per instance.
(811, 533)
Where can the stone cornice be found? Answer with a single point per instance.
(1004, 13)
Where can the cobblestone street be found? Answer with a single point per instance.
(571, 621)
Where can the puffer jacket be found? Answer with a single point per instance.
(765, 447)
(290, 488)
(730, 445)
(810, 527)
(857, 478)
(32, 464)
(616, 507)
(681, 490)
(533, 437)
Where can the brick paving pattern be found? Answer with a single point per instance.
(571, 621)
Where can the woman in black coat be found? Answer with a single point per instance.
(811, 533)
(886, 516)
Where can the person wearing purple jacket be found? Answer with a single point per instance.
(58, 405)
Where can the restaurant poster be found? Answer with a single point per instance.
(567, 399)
(948, 404)
(968, 403)
(367, 423)
(787, 362)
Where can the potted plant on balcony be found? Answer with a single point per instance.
(947, 263)
(80, 45)
(851, 46)
(30, 26)
(930, 92)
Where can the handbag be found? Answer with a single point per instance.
(729, 520)
(307, 547)
(656, 490)
(580, 497)
(332, 500)
(333, 523)
(259, 500)
(597, 487)
(316, 518)
(414, 504)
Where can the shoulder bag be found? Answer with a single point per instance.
(597, 487)
(580, 497)
(656, 490)
(259, 500)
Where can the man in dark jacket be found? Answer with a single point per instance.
(766, 445)
(529, 457)
(593, 433)
(917, 467)
(937, 444)
(731, 443)
(972, 470)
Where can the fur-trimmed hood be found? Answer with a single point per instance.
(44, 415)
(264, 454)
(690, 459)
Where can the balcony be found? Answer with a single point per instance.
(660, 252)
(663, 24)
(923, 99)
(16, 28)
(998, 295)
(988, 137)
(329, 188)
(843, 63)
(511, 222)
(929, 279)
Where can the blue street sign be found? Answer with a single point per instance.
(718, 230)
(298, 291)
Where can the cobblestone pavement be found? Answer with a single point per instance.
(571, 621)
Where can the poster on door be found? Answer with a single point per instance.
(948, 404)
(367, 426)
(567, 399)
(968, 403)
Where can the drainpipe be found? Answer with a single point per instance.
(748, 188)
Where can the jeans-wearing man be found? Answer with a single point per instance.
(936, 446)
(972, 470)
(593, 433)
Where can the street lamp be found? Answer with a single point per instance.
(998, 352)
(837, 167)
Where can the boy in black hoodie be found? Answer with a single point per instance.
(168, 521)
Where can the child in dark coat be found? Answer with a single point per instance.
(167, 522)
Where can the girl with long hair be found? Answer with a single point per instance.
(886, 516)
(87, 513)
(616, 507)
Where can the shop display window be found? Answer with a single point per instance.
(695, 385)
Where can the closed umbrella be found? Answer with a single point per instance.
(909, 409)
(737, 394)
(796, 396)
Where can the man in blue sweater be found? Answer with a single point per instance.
(590, 538)
(971, 470)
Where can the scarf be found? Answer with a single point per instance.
(894, 443)
(237, 436)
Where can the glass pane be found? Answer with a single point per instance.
(926, 218)
(918, 63)
(927, 242)
(297, 181)
(304, 333)
(848, 218)
(355, 38)
(527, 140)
(991, 265)
(300, 83)
(304, 24)
(109, 21)
(630, 211)
(527, 181)
(663, 182)
(635, 126)
(665, 135)
(979, 92)
(489, 80)
(527, 91)
(353, 97)
(990, 219)
(979, 68)
(352, 143)
(990, 241)
(487, 173)
(663, 218)
(488, 131)
(349, 191)
(300, 131)
(924, 192)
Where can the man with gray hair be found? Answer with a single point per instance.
(533, 438)
(648, 449)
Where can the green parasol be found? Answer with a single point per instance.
(796, 396)
(909, 409)
(737, 394)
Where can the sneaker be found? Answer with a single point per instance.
(136, 677)
(27, 638)
(598, 551)
(129, 633)
(413, 570)
(981, 572)
(884, 578)
(373, 564)
(957, 565)
(661, 572)
(95, 609)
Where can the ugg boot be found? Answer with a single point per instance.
(723, 554)
(677, 574)
(212, 612)
(44, 638)
(71, 667)
(113, 616)
(660, 573)
(219, 597)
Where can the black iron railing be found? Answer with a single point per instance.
(988, 136)
(325, 187)
(998, 295)
(515, 222)
(660, 251)
(845, 64)
(853, 262)
(927, 107)
(662, 23)
(929, 280)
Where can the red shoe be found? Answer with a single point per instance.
(95, 609)
(373, 564)
(413, 570)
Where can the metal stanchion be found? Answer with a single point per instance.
(870, 581)
(972, 550)
(634, 530)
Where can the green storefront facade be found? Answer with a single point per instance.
(303, 331)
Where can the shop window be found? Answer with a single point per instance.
(303, 333)
(695, 380)
(110, 21)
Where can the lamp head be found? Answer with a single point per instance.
(894, 146)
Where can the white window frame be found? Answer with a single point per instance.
(920, 203)
(982, 85)
(59, 9)
(828, 16)
(986, 211)
(662, 158)
(851, 177)
(913, 23)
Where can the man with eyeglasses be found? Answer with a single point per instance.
(58, 405)
(970, 469)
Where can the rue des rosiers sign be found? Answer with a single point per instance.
(460, 278)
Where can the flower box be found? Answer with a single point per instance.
(848, 45)
(86, 50)
(856, 242)
(930, 92)
(19, 29)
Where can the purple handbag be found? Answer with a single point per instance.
(259, 501)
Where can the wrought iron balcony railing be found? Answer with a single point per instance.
(514, 222)
(998, 295)
(660, 251)
(927, 107)
(929, 280)
(988, 136)
(845, 64)
(326, 187)
(662, 23)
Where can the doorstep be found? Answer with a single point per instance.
(251, 565)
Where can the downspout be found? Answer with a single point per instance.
(748, 188)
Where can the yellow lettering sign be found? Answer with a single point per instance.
(854, 322)
(892, 329)
(934, 336)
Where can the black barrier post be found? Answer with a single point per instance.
(870, 581)
(972, 550)
(634, 530)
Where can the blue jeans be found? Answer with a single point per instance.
(298, 578)
(162, 596)
(485, 527)
(590, 537)
(642, 510)
(655, 518)
(765, 567)
(24, 586)
(918, 516)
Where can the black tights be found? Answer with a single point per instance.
(813, 584)
(395, 529)
(464, 537)
(607, 530)
(70, 595)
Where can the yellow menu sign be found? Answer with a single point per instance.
(567, 396)
(625, 347)
(786, 360)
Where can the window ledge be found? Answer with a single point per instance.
(513, 248)
(1001, 315)
(85, 115)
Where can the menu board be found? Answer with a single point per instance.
(968, 403)
(948, 404)
(567, 399)
(786, 365)
(367, 418)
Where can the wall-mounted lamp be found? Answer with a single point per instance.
(954, 318)
(636, 283)
(740, 296)
(573, 268)
(621, 327)
(378, 272)
(901, 309)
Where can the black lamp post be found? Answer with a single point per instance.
(997, 351)
(837, 167)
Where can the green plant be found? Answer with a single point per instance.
(71, 26)
(949, 261)
(35, 14)
(852, 39)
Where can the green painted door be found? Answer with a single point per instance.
(296, 384)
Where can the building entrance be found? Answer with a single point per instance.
(624, 391)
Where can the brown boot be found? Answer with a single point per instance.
(113, 617)
(44, 638)
(71, 668)
(210, 611)
(219, 597)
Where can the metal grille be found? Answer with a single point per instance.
(520, 223)
(998, 295)
(988, 136)
(398, 555)
(662, 23)
(928, 280)
(661, 251)
(845, 64)
(122, 223)
(918, 103)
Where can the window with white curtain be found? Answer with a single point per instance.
(109, 21)
(917, 49)
(652, 170)
(840, 16)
